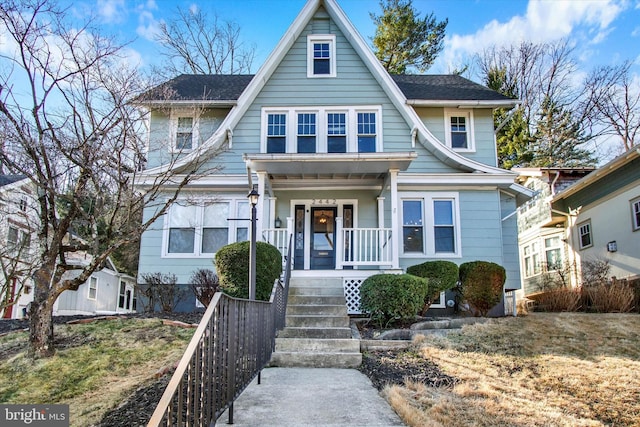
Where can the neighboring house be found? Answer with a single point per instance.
(370, 172)
(542, 240)
(601, 215)
(18, 216)
(106, 292)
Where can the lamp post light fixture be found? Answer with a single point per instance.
(253, 199)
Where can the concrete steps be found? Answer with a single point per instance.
(317, 332)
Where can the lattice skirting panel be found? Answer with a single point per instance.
(352, 293)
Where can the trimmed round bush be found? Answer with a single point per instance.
(482, 284)
(441, 275)
(232, 266)
(392, 297)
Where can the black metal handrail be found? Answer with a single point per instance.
(232, 344)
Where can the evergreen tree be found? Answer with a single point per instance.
(403, 39)
(513, 138)
(558, 139)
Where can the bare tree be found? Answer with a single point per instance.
(204, 283)
(194, 43)
(65, 105)
(612, 103)
(17, 222)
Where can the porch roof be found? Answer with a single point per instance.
(329, 164)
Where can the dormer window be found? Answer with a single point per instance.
(321, 55)
(459, 129)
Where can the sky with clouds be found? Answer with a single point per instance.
(604, 32)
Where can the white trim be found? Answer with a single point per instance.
(457, 103)
(468, 116)
(427, 199)
(322, 38)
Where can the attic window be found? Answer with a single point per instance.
(321, 56)
(459, 129)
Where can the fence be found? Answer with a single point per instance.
(231, 345)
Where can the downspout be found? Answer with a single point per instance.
(553, 184)
(571, 217)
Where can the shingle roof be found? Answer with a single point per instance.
(199, 87)
(225, 87)
(444, 87)
(10, 179)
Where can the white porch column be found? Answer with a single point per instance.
(396, 232)
(262, 217)
(380, 212)
(339, 243)
(272, 212)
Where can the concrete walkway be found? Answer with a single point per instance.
(318, 397)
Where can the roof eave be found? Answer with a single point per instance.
(455, 103)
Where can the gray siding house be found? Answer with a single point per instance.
(369, 172)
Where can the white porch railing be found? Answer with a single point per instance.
(365, 246)
(353, 246)
(278, 238)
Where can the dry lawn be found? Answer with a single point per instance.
(96, 365)
(545, 369)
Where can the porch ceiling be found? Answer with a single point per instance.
(328, 165)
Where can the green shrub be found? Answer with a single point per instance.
(482, 284)
(392, 297)
(441, 276)
(232, 266)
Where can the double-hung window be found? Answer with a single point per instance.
(321, 55)
(306, 132)
(336, 133)
(182, 229)
(276, 133)
(215, 227)
(93, 288)
(366, 132)
(459, 129)
(412, 226)
(430, 224)
(184, 131)
(635, 214)
(443, 226)
(553, 253)
(584, 234)
(531, 257)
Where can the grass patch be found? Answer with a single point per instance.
(95, 367)
(560, 369)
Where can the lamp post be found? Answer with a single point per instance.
(253, 199)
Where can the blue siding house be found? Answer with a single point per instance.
(370, 172)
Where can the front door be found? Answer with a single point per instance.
(323, 237)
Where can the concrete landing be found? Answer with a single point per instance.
(318, 397)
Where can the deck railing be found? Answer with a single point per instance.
(367, 246)
(354, 246)
(231, 345)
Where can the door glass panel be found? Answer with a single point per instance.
(323, 230)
